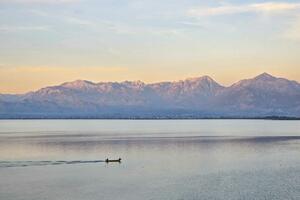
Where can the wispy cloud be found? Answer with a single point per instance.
(269, 7)
(68, 19)
(78, 21)
(39, 13)
(126, 29)
(111, 26)
(39, 1)
(23, 28)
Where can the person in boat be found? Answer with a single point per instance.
(118, 160)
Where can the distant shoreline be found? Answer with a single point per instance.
(154, 118)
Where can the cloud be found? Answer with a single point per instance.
(68, 19)
(23, 28)
(269, 7)
(78, 21)
(39, 13)
(39, 1)
(116, 27)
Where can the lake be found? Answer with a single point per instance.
(161, 159)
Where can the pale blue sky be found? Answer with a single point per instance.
(151, 40)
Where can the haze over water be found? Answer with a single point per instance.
(164, 159)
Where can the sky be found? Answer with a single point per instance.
(48, 42)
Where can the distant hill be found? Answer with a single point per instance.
(259, 97)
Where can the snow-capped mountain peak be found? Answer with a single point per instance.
(265, 77)
(260, 96)
(78, 84)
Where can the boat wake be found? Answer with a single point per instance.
(5, 164)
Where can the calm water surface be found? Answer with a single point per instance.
(164, 159)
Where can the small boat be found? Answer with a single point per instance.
(117, 160)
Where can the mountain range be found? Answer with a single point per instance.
(202, 97)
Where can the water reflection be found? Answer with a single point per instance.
(173, 165)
